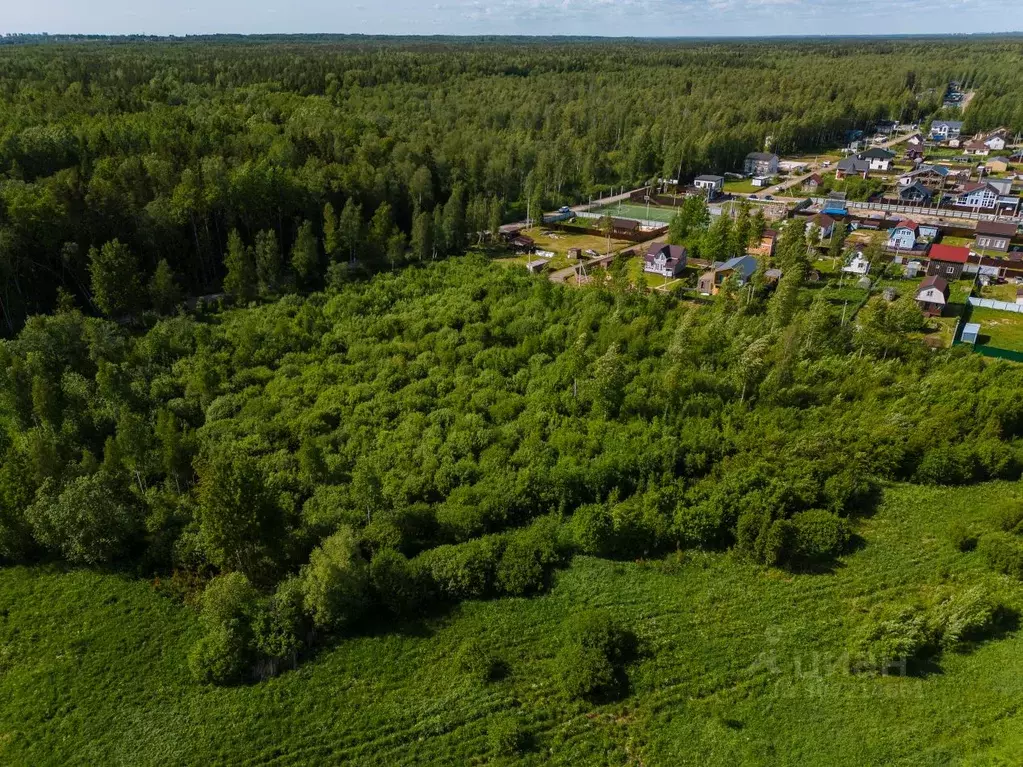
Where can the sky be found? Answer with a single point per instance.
(646, 18)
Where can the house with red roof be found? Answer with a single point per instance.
(904, 235)
(811, 184)
(947, 261)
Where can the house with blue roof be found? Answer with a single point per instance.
(741, 268)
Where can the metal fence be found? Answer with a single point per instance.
(990, 303)
(644, 224)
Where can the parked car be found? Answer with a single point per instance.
(753, 197)
(768, 196)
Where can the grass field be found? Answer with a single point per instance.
(745, 186)
(637, 212)
(739, 667)
(1002, 330)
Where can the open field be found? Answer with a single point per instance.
(744, 186)
(1002, 330)
(740, 666)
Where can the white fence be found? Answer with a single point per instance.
(913, 210)
(990, 303)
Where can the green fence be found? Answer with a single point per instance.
(985, 351)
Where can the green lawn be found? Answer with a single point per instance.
(740, 665)
(1001, 330)
(744, 186)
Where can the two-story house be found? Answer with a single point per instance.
(978, 196)
(879, 159)
(944, 130)
(665, 260)
(761, 164)
(903, 236)
(947, 261)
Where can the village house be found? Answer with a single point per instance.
(997, 164)
(852, 166)
(945, 130)
(915, 153)
(824, 222)
(740, 268)
(813, 183)
(665, 260)
(915, 193)
(1001, 185)
(712, 185)
(903, 236)
(768, 240)
(761, 164)
(996, 141)
(624, 226)
(947, 261)
(994, 235)
(925, 174)
(879, 159)
(932, 295)
(857, 264)
(915, 140)
(976, 148)
(979, 195)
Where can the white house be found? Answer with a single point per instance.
(903, 236)
(980, 196)
(858, 264)
(996, 142)
(665, 260)
(711, 184)
(879, 159)
(943, 130)
(761, 164)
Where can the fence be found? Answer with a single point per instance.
(990, 303)
(912, 210)
(645, 224)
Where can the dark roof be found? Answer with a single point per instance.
(772, 233)
(877, 154)
(949, 253)
(671, 252)
(1000, 228)
(715, 179)
(761, 156)
(918, 187)
(822, 220)
(624, 223)
(934, 282)
(853, 164)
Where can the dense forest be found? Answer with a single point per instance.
(158, 151)
(346, 445)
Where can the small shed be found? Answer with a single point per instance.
(864, 283)
(971, 331)
(536, 267)
(575, 253)
(913, 269)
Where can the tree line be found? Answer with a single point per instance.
(166, 149)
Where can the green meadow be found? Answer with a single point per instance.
(737, 664)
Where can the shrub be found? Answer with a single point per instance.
(966, 617)
(279, 628)
(595, 653)
(1010, 518)
(818, 535)
(945, 465)
(335, 582)
(586, 672)
(961, 538)
(593, 529)
(228, 601)
(892, 638)
(507, 736)
(479, 662)
(464, 570)
(700, 525)
(1003, 552)
(528, 556)
(218, 658)
(397, 583)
